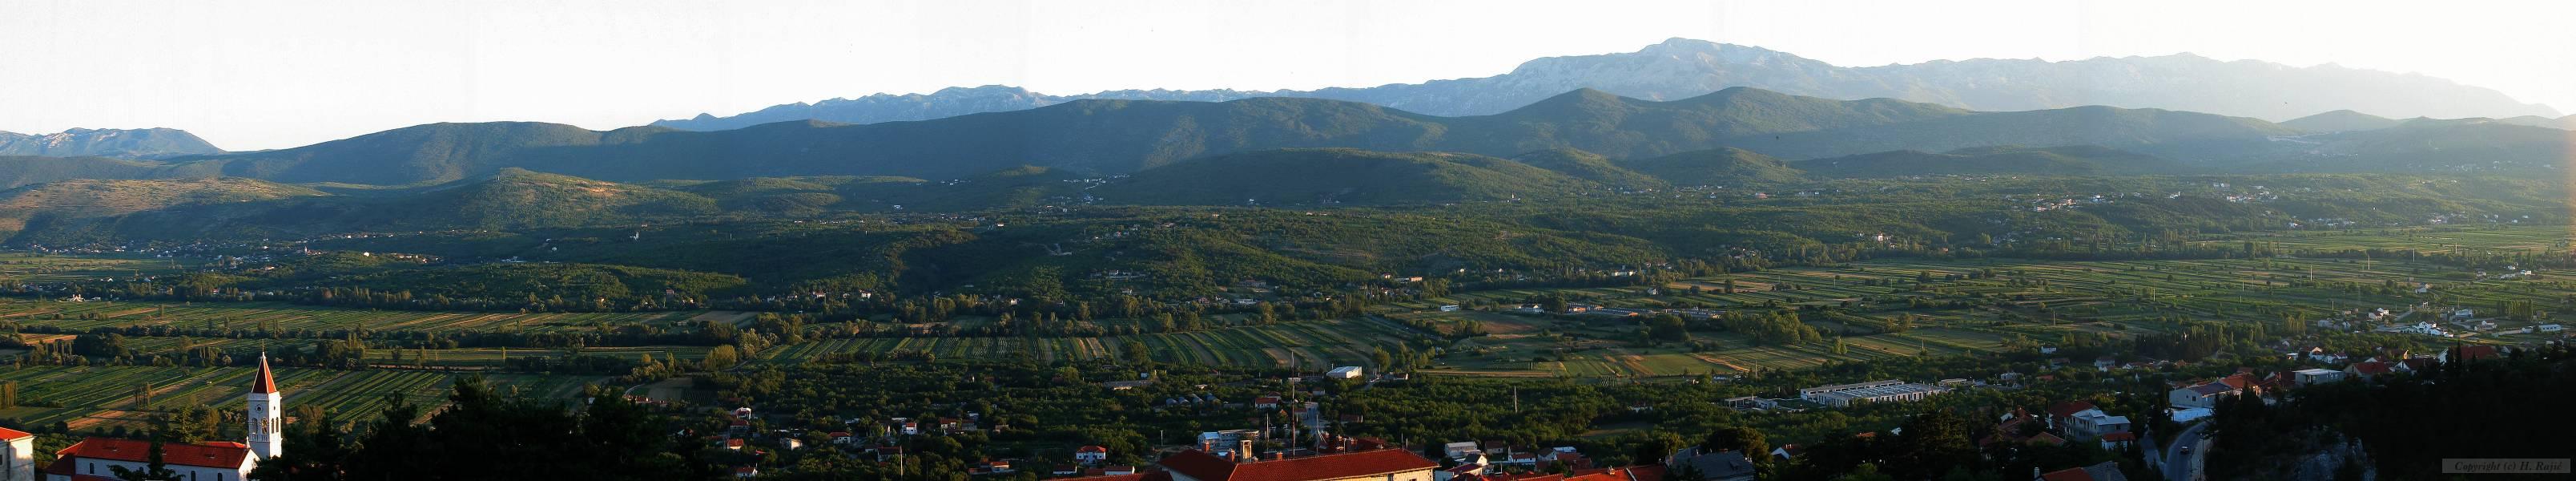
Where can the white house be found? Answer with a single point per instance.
(1344, 372)
(20, 452)
(1091, 454)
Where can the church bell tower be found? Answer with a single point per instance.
(265, 439)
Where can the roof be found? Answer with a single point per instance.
(13, 434)
(266, 384)
(1092, 449)
(2370, 368)
(2107, 471)
(1206, 467)
(2239, 381)
(1153, 476)
(232, 456)
(2069, 408)
(2476, 352)
(2209, 389)
(2118, 436)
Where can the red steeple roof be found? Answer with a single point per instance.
(266, 384)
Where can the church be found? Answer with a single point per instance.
(95, 459)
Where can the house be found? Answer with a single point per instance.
(21, 454)
(998, 467)
(2114, 441)
(2305, 377)
(2083, 420)
(1449, 308)
(2107, 471)
(1345, 372)
(746, 472)
(2200, 396)
(1785, 452)
(843, 438)
(98, 458)
(1265, 402)
(1091, 454)
(1460, 450)
(2105, 363)
(2368, 369)
(1711, 466)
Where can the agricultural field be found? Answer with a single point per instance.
(43, 268)
(1310, 344)
(100, 397)
(83, 316)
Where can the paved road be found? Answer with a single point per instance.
(2185, 467)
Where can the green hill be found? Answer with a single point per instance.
(2009, 159)
(1336, 176)
(2340, 121)
(62, 204)
(2162, 132)
(1090, 136)
(1588, 166)
(1724, 166)
(16, 171)
(517, 198)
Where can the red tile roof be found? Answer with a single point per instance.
(1206, 467)
(233, 456)
(2121, 436)
(2069, 408)
(2068, 474)
(1092, 449)
(1153, 476)
(2373, 368)
(266, 383)
(13, 434)
(2476, 352)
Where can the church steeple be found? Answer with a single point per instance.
(266, 440)
(267, 383)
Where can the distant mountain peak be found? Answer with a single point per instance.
(1681, 68)
(150, 143)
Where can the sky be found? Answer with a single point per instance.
(261, 75)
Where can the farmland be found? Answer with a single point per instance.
(83, 316)
(98, 397)
(1946, 307)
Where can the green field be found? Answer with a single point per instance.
(83, 316)
(97, 397)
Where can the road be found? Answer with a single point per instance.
(2189, 464)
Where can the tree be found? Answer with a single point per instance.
(153, 467)
(1933, 443)
(1738, 438)
(723, 357)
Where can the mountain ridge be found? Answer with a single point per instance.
(1682, 68)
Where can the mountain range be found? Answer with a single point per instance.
(122, 143)
(1115, 137)
(1093, 138)
(1684, 68)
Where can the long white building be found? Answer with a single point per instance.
(1842, 395)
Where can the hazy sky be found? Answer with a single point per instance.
(252, 75)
